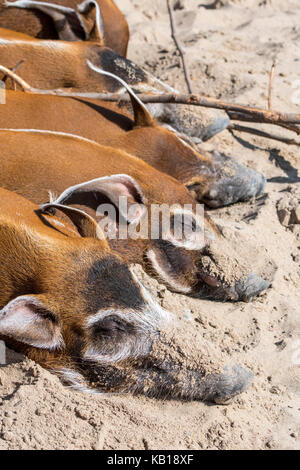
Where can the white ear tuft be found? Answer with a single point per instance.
(52, 196)
(142, 116)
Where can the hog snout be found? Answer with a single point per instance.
(130, 354)
(243, 290)
(233, 182)
(250, 287)
(219, 388)
(222, 388)
(226, 271)
(187, 368)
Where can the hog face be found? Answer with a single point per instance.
(112, 337)
(71, 298)
(139, 351)
(179, 245)
(76, 308)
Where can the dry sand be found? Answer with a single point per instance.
(230, 51)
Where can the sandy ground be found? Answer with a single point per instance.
(230, 52)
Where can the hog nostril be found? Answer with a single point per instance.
(251, 287)
(210, 280)
(231, 384)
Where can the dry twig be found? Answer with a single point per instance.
(248, 118)
(180, 50)
(9, 73)
(267, 135)
(271, 83)
(252, 113)
(237, 112)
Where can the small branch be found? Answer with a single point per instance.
(271, 83)
(248, 118)
(180, 50)
(251, 130)
(236, 111)
(9, 73)
(255, 114)
(14, 69)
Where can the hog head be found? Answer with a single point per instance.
(69, 303)
(186, 251)
(212, 178)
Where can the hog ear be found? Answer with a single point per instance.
(91, 17)
(85, 224)
(142, 117)
(27, 319)
(69, 24)
(95, 192)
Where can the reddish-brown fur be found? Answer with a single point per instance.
(72, 306)
(52, 64)
(35, 164)
(106, 124)
(38, 24)
(32, 163)
(36, 255)
(78, 65)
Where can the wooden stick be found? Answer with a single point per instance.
(235, 110)
(14, 69)
(180, 50)
(248, 118)
(271, 83)
(251, 130)
(9, 73)
(256, 114)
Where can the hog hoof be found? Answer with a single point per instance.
(233, 182)
(218, 125)
(224, 387)
(250, 287)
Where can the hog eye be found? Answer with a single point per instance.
(112, 325)
(185, 221)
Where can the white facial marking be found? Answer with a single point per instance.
(196, 239)
(154, 313)
(76, 381)
(146, 321)
(130, 91)
(164, 276)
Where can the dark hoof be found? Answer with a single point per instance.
(224, 387)
(219, 125)
(233, 182)
(248, 288)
